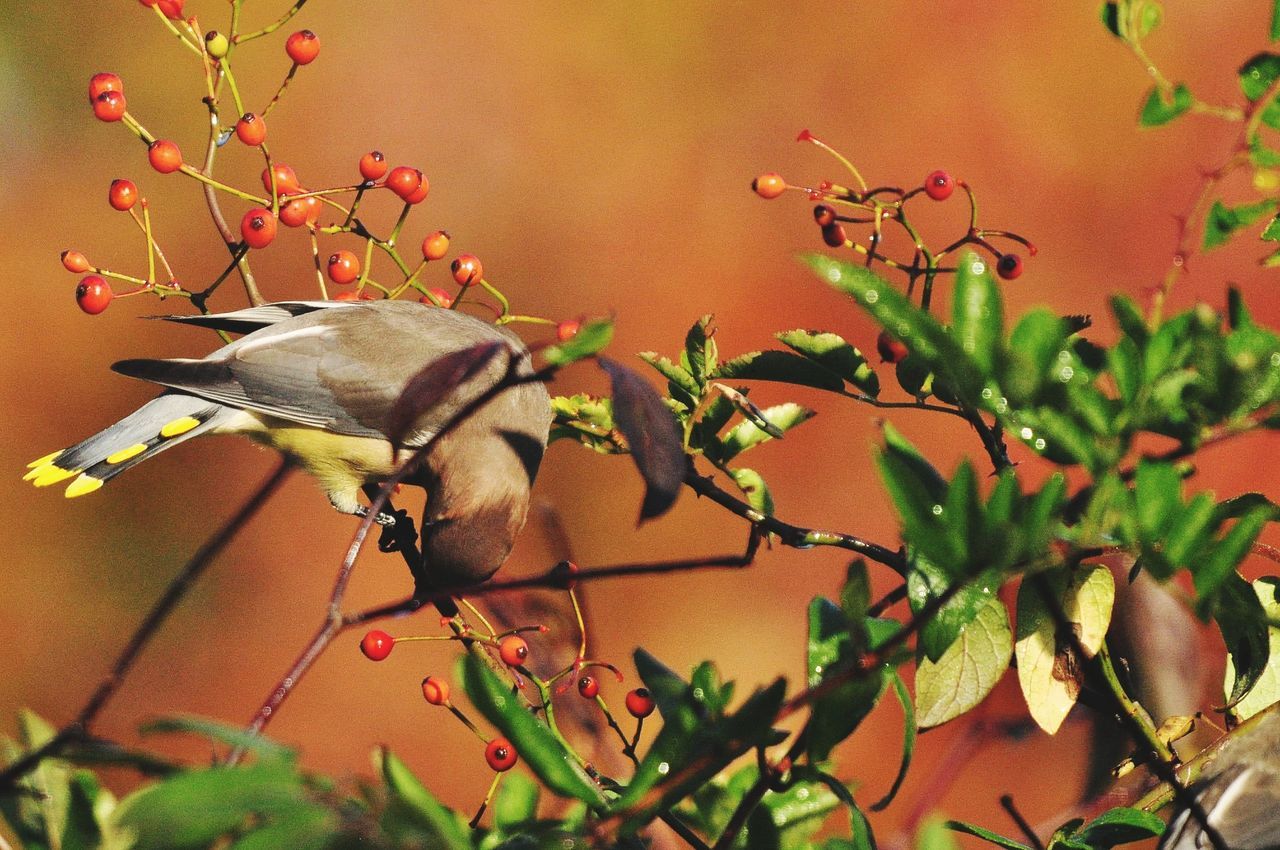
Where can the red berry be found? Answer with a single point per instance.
(445, 299)
(258, 227)
(93, 294)
(105, 81)
(303, 47)
(352, 295)
(377, 645)
(404, 181)
(639, 703)
(164, 156)
(1009, 266)
(500, 754)
(588, 687)
(824, 215)
(513, 650)
(435, 246)
(769, 186)
(467, 269)
(344, 267)
(172, 8)
(890, 348)
(122, 195)
(301, 211)
(419, 195)
(109, 106)
(74, 262)
(834, 236)
(373, 165)
(251, 130)
(286, 181)
(939, 185)
(435, 691)
(567, 329)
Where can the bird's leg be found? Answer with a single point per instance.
(384, 519)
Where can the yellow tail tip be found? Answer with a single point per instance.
(179, 426)
(125, 454)
(53, 474)
(47, 459)
(83, 485)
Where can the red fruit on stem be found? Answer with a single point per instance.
(352, 295)
(344, 267)
(258, 227)
(122, 195)
(834, 236)
(445, 299)
(1009, 266)
(500, 755)
(377, 645)
(824, 215)
(639, 703)
(286, 181)
(419, 195)
(172, 8)
(769, 186)
(303, 47)
(373, 165)
(435, 691)
(890, 348)
(74, 262)
(588, 687)
(467, 269)
(513, 650)
(251, 130)
(805, 136)
(404, 181)
(105, 81)
(300, 211)
(164, 156)
(93, 294)
(109, 106)
(435, 246)
(568, 329)
(939, 185)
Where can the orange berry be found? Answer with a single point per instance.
(105, 81)
(94, 295)
(109, 106)
(435, 691)
(286, 180)
(74, 262)
(122, 195)
(352, 295)
(251, 130)
(301, 211)
(373, 165)
(164, 156)
(567, 329)
(303, 47)
(435, 246)
(344, 267)
(377, 645)
(172, 8)
(404, 181)
(258, 227)
(445, 299)
(640, 703)
(500, 755)
(467, 269)
(769, 186)
(513, 650)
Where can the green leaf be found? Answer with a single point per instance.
(1158, 495)
(977, 315)
(1223, 558)
(516, 802)
(935, 835)
(831, 651)
(415, 809)
(1266, 688)
(700, 351)
(83, 832)
(1050, 671)
(922, 524)
(1120, 825)
(1157, 109)
(908, 741)
(986, 834)
(1110, 14)
(684, 387)
(1272, 231)
(590, 339)
(1223, 221)
(311, 828)
(921, 332)
(1275, 20)
(780, 366)
(665, 686)
(747, 434)
(1242, 620)
(538, 747)
(926, 582)
(1256, 76)
(753, 488)
(786, 820)
(224, 733)
(195, 808)
(968, 670)
(834, 354)
(1033, 347)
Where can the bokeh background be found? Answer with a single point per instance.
(598, 158)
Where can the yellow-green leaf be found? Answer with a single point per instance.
(966, 672)
(1267, 689)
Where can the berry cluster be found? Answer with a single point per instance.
(513, 654)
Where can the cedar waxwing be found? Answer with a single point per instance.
(317, 381)
(1239, 792)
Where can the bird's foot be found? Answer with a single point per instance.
(383, 519)
(399, 534)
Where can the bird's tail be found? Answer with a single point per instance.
(160, 423)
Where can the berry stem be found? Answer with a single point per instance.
(293, 69)
(395, 231)
(412, 280)
(231, 83)
(230, 190)
(532, 320)
(497, 296)
(179, 34)
(164, 261)
(315, 256)
(484, 804)
(151, 243)
(271, 27)
(862, 184)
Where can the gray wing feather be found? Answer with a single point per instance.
(253, 318)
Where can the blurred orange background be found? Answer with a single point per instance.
(598, 158)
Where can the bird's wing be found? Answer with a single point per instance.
(341, 369)
(253, 318)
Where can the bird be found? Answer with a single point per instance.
(318, 381)
(1238, 792)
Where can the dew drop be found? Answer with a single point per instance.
(664, 768)
(1040, 444)
(872, 296)
(937, 510)
(987, 393)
